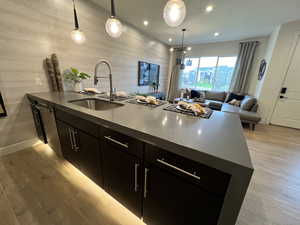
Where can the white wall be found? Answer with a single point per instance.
(268, 56)
(231, 48)
(271, 85)
(228, 48)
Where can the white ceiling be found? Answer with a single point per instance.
(233, 19)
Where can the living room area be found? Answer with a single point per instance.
(254, 78)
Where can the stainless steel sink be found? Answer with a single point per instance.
(96, 104)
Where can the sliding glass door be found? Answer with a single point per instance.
(208, 73)
(190, 74)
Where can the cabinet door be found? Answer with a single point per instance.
(89, 151)
(66, 138)
(122, 176)
(171, 199)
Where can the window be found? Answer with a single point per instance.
(208, 73)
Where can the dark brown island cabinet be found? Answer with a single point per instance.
(157, 185)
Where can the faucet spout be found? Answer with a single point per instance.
(96, 78)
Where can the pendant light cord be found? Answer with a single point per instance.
(75, 17)
(113, 10)
(182, 49)
(183, 30)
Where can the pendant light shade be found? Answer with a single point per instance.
(174, 12)
(182, 51)
(77, 35)
(113, 26)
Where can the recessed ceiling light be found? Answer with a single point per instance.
(170, 40)
(171, 49)
(189, 48)
(216, 34)
(209, 8)
(146, 23)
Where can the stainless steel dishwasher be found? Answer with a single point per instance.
(45, 123)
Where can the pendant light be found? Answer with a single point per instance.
(183, 50)
(77, 35)
(113, 26)
(174, 12)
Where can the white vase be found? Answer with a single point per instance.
(77, 86)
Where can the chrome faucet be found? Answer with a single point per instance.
(96, 78)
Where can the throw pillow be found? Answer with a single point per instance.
(197, 94)
(235, 102)
(248, 102)
(232, 96)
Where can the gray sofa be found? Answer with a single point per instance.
(219, 101)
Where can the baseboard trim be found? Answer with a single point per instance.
(19, 146)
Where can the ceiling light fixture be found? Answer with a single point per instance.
(171, 49)
(209, 8)
(77, 35)
(113, 26)
(182, 50)
(216, 34)
(146, 23)
(174, 12)
(170, 40)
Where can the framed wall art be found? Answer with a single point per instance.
(143, 74)
(148, 73)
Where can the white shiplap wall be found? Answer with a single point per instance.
(33, 29)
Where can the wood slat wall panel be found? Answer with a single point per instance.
(34, 29)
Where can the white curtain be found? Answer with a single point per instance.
(174, 81)
(243, 66)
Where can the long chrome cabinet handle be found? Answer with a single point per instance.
(71, 138)
(146, 183)
(136, 167)
(116, 142)
(178, 169)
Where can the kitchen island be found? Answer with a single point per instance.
(185, 170)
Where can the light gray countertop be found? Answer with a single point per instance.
(217, 142)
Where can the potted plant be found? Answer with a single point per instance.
(74, 76)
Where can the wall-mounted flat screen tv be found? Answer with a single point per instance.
(148, 73)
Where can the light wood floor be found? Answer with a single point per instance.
(37, 188)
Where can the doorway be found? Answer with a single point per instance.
(287, 109)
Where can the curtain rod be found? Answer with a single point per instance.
(258, 42)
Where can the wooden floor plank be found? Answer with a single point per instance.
(38, 188)
(7, 215)
(273, 197)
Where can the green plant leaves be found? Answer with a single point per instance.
(74, 75)
(74, 70)
(84, 75)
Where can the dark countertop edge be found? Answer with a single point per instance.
(206, 159)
